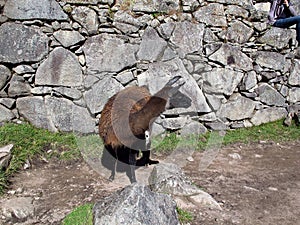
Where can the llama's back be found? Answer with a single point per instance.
(114, 126)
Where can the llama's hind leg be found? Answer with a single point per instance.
(113, 170)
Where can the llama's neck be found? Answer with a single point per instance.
(153, 108)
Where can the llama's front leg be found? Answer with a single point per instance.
(145, 160)
(132, 164)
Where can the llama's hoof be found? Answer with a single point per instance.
(153, 162)
(111, 178)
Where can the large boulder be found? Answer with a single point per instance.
(31, 9)
(108, 53)
(19, 43)
(135, 205)
(60, 69)
(168, 178)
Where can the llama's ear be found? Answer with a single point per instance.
(173, 80)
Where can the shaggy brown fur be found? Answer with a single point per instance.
(125, 119)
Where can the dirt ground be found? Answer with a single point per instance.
(257, 183)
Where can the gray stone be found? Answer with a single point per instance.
(127, 23)
(268, 115)
(270, 95)
(237, 109)
(169, 178)
(31, 9)
(66, 116)
(60, 69)
(193, 128)
(238, 32)
(294, 78)
(5, 155)
(217, 125)
(88, 2)
(166, 29)
(100, 92)
(209, 36)
(174, 123)
(133, 205)
(249, 80)
(87, 17)
(154, 6)
(214, 100)
(232, 56)
(18, 209)
(209, 117)
(5, 114)
(277, 37)
(152, 46)
(18, 86)
(238, 11)
(23, 69)
(4, 75)
(294, 95)
(68, 92)
(19, 43)
(108, 53)
(272, 60)
(212, 15)
(41, 90)
(221, 81)
(125, 77)
(158, 75)
(33, 110)
(188, 37)
(68, 38)
(7, 102)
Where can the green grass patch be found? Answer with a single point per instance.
(274, 131)
(82, 215)
(30, 142)
(184, 216)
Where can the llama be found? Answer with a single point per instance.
(125, 124)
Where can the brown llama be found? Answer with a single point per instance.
(126, 121)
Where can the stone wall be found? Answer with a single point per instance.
(61, 60)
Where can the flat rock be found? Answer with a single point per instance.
(60, 69)
(152, 46)
(221, 81)
(31, 9)
(237, 109)
(187, 37)
(229, 55)
(106, 53)
(26, 44)
(87, 17)
(4, 75)
(269, 95)
(169, 178)
(17, 209)
(268, 115)
(68, 38)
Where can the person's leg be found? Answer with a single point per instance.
(287, 22)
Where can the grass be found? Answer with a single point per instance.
(274, 131)
(30, 142)
(184, 216)
(82, 215)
